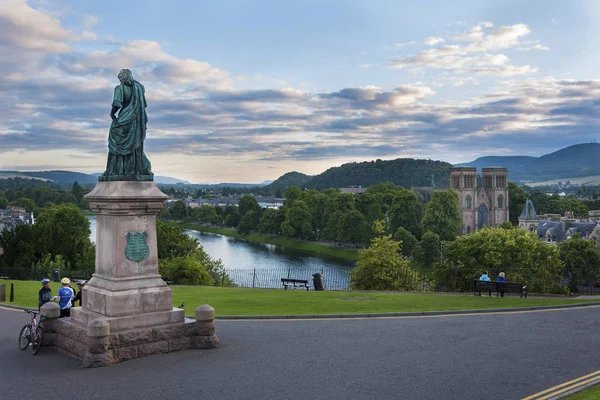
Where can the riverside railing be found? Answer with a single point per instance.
(410, 280)
(271, 278)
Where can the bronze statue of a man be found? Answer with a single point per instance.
(126, 158)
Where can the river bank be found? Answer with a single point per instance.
(312, 247)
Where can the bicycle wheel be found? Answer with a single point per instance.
(25, 337)
(36, 341)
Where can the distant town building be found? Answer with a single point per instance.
(354, 190)
(554, 228)
(12, 217)
(226, 201)
(15, 216)
(484, 205)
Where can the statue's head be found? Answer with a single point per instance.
(126, 77)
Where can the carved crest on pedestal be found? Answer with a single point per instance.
(137, 248)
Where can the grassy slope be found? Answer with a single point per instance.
(345, 254)
(592, 393)
(233, 301)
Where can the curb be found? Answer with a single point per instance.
(16, 307)
(404, 314)
(379, 315)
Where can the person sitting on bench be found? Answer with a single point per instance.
(501, 279)
(485, 277)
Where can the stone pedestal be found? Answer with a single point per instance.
(127, 309)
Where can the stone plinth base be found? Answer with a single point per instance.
(85, 317)
(98, 345)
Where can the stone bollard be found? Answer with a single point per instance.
(50, 310)
(99, 350)
(50, 313)
(205, 337)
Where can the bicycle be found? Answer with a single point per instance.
(32, 333)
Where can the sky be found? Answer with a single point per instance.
(245, 91)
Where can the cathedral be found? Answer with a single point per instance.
(483, 205)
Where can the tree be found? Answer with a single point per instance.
(269, 222)
(250, 214)
(381, 267)
(406, 211)
(297, 221)
(507, 225)
(21, 251)
(28, 204)
(77, 191)
(179, 210)
(248, 223)
(516, 202)
(367, 204)
(407, 241)
(331, 227)
(207, 215)
(3, 202)
(291, 194)
(442, 215)
(172, 242)
(68, 229)
(248, 203)
(183, 260)
(427, 250)
(185, 271)
(351, 227)
(233, 218)
(581, 260)
(44, 267)
(165, 213)
(518, 253)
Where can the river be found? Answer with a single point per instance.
(262, 264)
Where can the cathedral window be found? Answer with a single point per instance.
(500, 202)
(468, 201)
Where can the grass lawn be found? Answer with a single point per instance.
(592, 393)
(324, 250)
(234, 301)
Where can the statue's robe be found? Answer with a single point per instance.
(126, 158)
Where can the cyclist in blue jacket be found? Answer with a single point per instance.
(64, 298)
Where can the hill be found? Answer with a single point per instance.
(63, 178)
(67, 178)
(579, 160)
(513, 163)
(290, 179)
(405, 172)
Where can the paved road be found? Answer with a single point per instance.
(443, 357)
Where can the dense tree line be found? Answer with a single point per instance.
(332, 216)
(34, 198)
(182, 259)
(60, 234)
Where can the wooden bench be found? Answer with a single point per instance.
(499, 287)
(511, 287)
(295, 283)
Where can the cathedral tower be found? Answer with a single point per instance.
(495, 184)
(464, 181)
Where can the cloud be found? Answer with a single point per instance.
(31, 29)
(59, 99)
(433, 40)
(476, 51)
